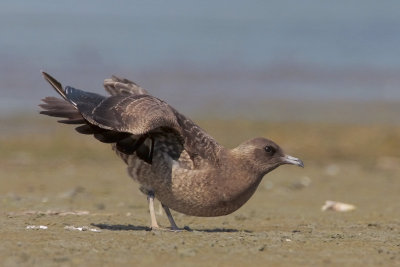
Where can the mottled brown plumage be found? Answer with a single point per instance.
(172, 158)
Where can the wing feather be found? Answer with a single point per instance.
(135, 114)
(120, 86)
(130, 116)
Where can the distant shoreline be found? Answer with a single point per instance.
(274, 110)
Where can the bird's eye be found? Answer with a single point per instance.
(269, 149)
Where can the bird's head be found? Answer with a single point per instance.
(263, 155)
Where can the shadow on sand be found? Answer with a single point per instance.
(130, 227)
(121, 227)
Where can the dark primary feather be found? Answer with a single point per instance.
(55, 84)
(74, 121)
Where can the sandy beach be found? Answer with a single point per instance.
(87, 211)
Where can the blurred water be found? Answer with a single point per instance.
(203, 50)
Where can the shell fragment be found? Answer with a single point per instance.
(337, 206)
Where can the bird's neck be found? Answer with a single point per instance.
(241, 179)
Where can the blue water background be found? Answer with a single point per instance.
(197, 54)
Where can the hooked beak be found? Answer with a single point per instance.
(292, 160)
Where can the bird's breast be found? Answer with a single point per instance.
(202, 192)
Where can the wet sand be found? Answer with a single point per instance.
(51, 176)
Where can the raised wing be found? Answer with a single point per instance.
(148, 115)
(135, 114)
(128, 118)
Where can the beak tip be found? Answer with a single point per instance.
(301, 164)
(294, 161)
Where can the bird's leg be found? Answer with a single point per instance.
(174, 227)
(150, 198)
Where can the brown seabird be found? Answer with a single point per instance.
(172, 158)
